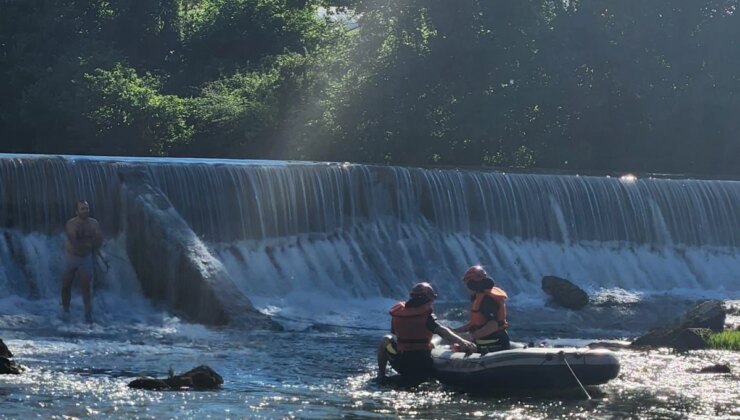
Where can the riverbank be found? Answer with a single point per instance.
(726, 340)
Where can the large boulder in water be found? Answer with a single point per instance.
(9, 367)
(4, 350)
(710, 314)
(689, 332)
(173, 265)
(203, 377)
(690, 339)
(678, 338)
(564, 292)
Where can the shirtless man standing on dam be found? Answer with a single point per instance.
(83, 237)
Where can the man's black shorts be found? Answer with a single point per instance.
(416, 363)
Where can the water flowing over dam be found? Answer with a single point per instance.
(358, 231)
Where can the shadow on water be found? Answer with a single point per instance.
(533, 393)
(400, 383)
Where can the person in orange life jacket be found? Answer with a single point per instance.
(487, 326)
(413, 323)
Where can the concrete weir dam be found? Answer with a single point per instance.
(204, 238)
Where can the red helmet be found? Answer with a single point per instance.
(475, 273)
(423, 290)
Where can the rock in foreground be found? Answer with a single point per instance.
(690, 332)
(719, 368)
(201, 377)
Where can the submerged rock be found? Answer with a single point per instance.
(718, 368)
(201, 377)
(616, 297)
(564, 292)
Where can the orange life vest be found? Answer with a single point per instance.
(410, 327)
(477, 319)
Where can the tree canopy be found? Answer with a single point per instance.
(593, 85)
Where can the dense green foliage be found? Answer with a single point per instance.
(584, 85)
(727, 340)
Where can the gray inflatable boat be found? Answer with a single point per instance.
(534, 367)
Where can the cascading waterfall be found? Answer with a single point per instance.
(364, 230)
(345, 230)
(269, 201)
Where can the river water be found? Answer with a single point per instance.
(320, 371)
(327, 244)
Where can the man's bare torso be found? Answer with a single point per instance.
(86, 233)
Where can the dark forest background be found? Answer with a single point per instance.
(588, 85)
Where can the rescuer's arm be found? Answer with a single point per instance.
(450, 336)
